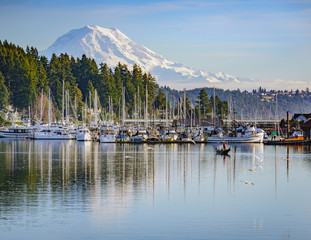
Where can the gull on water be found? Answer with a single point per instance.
(248, 182)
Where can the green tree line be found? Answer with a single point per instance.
(24, 74)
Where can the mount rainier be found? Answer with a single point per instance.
(109, 45)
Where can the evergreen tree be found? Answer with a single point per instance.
(3, 93)
(205, 106)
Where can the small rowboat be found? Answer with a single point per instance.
(222, 152)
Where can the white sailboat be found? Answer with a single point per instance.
(51, 133)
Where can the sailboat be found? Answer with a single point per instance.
(51, 133)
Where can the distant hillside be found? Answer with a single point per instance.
(258, 103)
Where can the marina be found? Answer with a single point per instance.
(163, 120)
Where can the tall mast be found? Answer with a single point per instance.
(146, 110)
(49, 111)
(41, 105)
(63, 103)
(138, 103)
(185, 112)
(178, 110)
(29, 113)
(191, 117)
(90, 96)
(123, 106)
(85, 111)
(120, 109)
(166, 103)
(95, 107)
(112, 120)
(277, 128)
(135, 111)
(67, 114)
(214, 110)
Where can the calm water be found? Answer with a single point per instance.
(70, 190)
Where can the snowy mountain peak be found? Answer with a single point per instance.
(111, 46)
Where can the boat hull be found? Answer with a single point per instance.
(107, 138)
(14, 135)
(43, 136)
(84, 137)
(255, 138)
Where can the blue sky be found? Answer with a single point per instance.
(262, 40)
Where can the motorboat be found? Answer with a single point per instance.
(198, 136)
(223, 151)
(240, 135)
(123, 135)
(139, 136)
(51, 134)
(16, 131)
(185, 137)
(84, 134)
(170, 136)
(107, 135)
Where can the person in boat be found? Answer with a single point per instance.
(224, 146)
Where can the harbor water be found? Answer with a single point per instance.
(86, 190)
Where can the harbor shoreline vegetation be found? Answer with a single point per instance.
(24, 75)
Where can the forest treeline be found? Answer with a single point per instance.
(24, 74)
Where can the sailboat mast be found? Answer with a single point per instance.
(63, 103)
(123, 106)
(166, 103)
(135, 111)
(138, 103)
(214, 109)
(90, 95)
(67, 115)
(85, 111)
(95, 107)
(146, 110)
(49, 111)
(41, 105)
(185, 112)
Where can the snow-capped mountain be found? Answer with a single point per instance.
(109, 45)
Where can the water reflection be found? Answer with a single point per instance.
(54, 164)
(106, 183)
